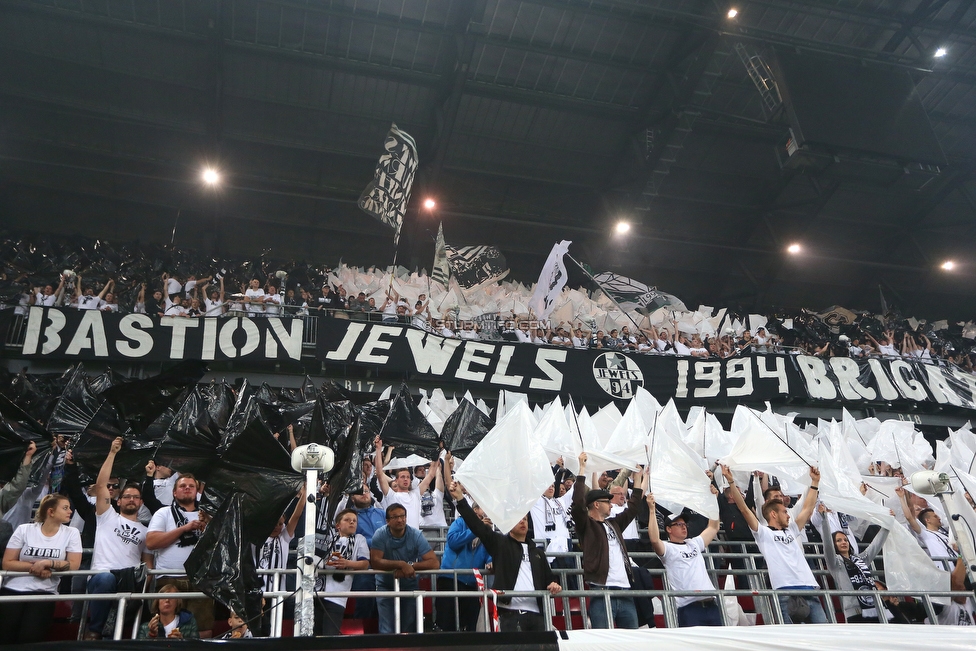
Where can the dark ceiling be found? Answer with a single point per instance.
(535, 121)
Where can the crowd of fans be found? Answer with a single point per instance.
(208, 296)
(397, 524)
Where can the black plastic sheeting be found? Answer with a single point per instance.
(407, 429)
(465, 428)
(191, 439)
(17, 430)
(140, 412)
(252, 462)
(222, 564)
(77, 405)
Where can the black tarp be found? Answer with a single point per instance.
(407, 429)
(465, 428)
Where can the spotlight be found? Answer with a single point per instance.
(429, 203)
(210, 176)
(794, 248)
(622, 227)
(733, 13)
(941, 52)
(948, 265)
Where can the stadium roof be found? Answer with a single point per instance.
(536, 120)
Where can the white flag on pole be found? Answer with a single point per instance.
(551, 281)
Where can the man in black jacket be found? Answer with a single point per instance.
(519, 566)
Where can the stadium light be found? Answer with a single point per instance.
(733, 12)
(622, 227)
(210, 176)
(794, 248)
(429, 203)
(948, 265)
(941, 52)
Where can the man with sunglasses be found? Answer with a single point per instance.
(606, 565)
(120, 540)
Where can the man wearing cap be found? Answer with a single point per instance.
(682, 558)
(606, 565)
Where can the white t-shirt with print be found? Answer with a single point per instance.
(686, 568)
(617, 575)
(174, 556)
(524, 582)
(90, 303)
(119, 542)
(255, 307)
(410, 500)
(351, 549)
(432, 509)
(783, 551)
(35, 546)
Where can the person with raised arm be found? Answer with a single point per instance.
(782, 548)
(519, 566)
(685, 564)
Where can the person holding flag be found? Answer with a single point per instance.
(519, 566)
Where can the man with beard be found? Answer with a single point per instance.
(173, 533)
(120, 541)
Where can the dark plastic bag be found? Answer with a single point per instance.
(465, 428)
(407, 429)
(221, 564)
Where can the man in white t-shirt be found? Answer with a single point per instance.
(935, 538)
(272, 301)
(173, 533)
(47, 296)
(120, 541)
(618, 504)
(400, 490)
(214, 302)
(781, 546)
(88, 300)
(254, 298)
(683, 560)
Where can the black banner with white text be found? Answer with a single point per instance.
(602, 374)
(90, 334)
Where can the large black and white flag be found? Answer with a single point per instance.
(386, 196)
(441, 271)
(631, 294)
(474, 265)
(551, 282)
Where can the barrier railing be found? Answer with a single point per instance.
(772, 612)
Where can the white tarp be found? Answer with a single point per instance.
(773, 638)
(907, 566)
(558, 438)
(759, 447)
(630, 437)
(676, 477)
(412, 461)
(508, 471)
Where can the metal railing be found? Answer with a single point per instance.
(764, 598)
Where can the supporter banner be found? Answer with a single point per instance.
(601, 374)
(387, 195)
(90, 334)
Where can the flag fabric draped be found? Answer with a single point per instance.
(551, 281)
(474, 265)
(632, 294)
(441, 272)
(386, 196)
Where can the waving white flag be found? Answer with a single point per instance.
(551, 282)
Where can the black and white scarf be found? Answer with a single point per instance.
(188, 538)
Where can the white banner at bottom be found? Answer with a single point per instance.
(776, 638)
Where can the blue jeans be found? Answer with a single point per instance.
(387, 608)
(98, 611)
(700, 613)
(623, 609)
(817, 615)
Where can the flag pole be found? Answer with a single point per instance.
(606, 293)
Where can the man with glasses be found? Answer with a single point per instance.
(120, 541)
(400, 551)
(606, 565)
(682, 558)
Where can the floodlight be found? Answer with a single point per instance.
(622, 227)
(941, 52)
(312, 457)
(210, 176)
(429, 203)
(948, 265)
(733, 13)
(930, 482)
(794, 248)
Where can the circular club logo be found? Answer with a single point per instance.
(617, 375)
